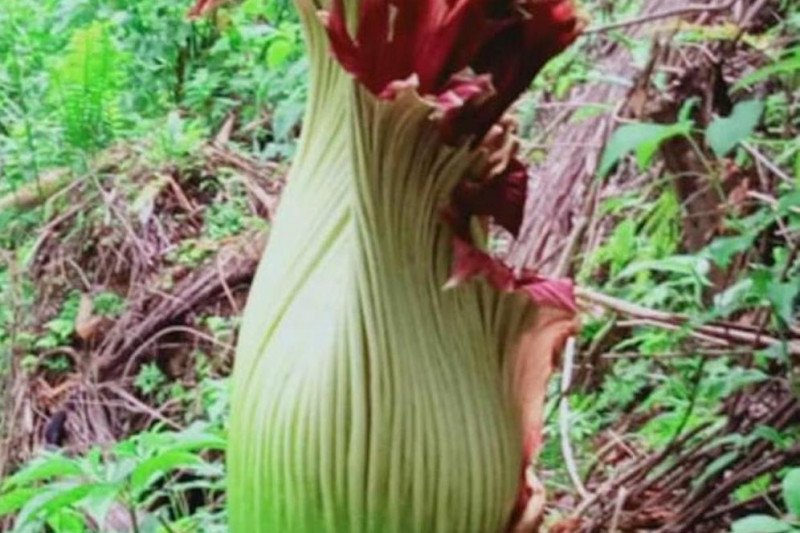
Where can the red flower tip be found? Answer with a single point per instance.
(502, 43)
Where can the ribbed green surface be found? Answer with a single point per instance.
(366, 399)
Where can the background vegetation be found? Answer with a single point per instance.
(141, 158)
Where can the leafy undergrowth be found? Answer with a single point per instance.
(135, 202)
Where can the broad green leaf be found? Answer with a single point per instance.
(642, 139)
(760, 524)
(12, 501)
(43, 468)
(51, 498)
(724, 133)
(791, 491)
(67, 520)
(723, 249)
(159, 465)
(734, 297)
(67, 497)
(789, 202)
(782, 297)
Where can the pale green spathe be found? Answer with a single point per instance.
(366, 398)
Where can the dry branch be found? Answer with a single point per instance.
(724, 333)
(154, 312)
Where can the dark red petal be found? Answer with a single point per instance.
(501, 197)
(515, 55)
(342, 45)
(507, 41)
(464, 90)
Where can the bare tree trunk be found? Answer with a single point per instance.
(561, 190)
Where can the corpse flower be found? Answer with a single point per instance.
(390, 372)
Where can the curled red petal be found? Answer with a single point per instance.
(465, 90)
(470, 262)
(558, 293)
(501, 197)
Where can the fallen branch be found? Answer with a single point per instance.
(143, 322)
(718, 332)
(652, 17)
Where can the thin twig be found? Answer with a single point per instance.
(713, 331)
(677, 12)
(621, 495)
(225, 287)
(166, 331)
(564, 416)
(139, 405)
(764, 160)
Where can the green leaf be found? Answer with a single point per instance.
(715, 467)
(53, 498)
(47, 467)
(788, 202)
(782, 297)
(67, 520)
(723, 249)
(68, 497)
(759, 523)
(689, 265)
(12, 501)
(784, 66)
(155, 467)
(724, 133)
(791, 491)
(279, 52)
(642, 139)
(734, 297)
(772, 435)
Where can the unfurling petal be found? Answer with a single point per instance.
(503, 42)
